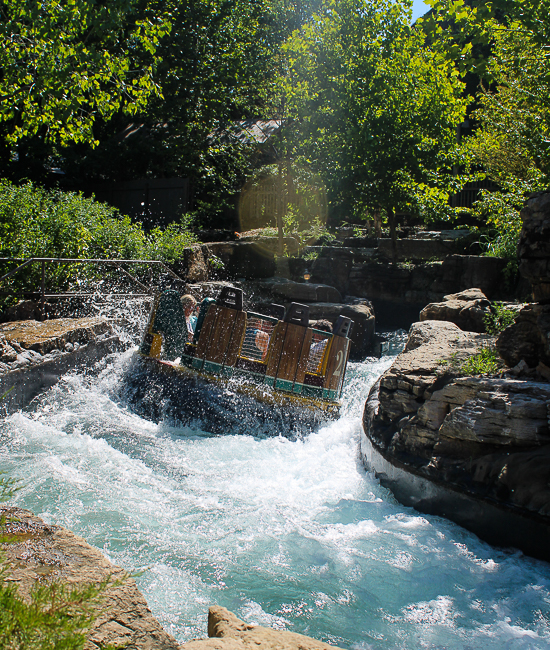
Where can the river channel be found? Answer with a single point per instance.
(285, 531)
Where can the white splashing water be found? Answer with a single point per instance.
(293, 534)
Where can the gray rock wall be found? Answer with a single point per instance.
(34, 355)
(534, 245)
(484, 438)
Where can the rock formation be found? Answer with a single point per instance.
(227, 632)
(484, 438)
(528, 339)
(38, 552)
(51, 553)
(534, 245)
(33, 355)
(466, 309)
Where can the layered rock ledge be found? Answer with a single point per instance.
(227, 632)
(46, 553)
(34, 355)
(474, 449)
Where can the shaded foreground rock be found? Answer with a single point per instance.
(466, 309)
(34, 355)
(227, 632)
(484, 442)
(51, 553)
(528, 338)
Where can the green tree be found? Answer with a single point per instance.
(66, 62)
(214, 71)
(511, 142)
(377, 109)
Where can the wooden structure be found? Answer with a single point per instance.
(278, 352)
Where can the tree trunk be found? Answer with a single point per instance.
(393, 234)
(280, 208)
(377, 223)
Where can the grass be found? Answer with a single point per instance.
(485, 362)
(55, 616)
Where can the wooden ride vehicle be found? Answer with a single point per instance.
(274, 357)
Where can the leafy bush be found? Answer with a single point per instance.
(498, 319)
(35, 222)
(486, 362)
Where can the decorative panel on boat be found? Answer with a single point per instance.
(276, 347)
(336, 367)
(237, 333)
(303, 360)
(205, 337)
(288, 355)
(292, 349)
(220, 335)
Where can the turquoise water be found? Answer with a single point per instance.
(290, 533)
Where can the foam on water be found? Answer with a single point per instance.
(288, 533)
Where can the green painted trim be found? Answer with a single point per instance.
(312, 391)
(284, 384)
(212, 368)
(227, 371)
(187, 361)
(269, 381)
(297, 388)
(248, 374)
(329, 394)
(197, 363)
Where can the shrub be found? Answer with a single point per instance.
(35, 222)
(498, 319)
(486, 362)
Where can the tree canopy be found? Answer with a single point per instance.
(374, 109)
(66, 62)
(369, 103)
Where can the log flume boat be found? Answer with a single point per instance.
(274, 359)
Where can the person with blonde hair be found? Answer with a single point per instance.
(189, 305)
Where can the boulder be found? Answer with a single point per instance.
(490, 411)
(197, 267)
(417, 373)
(40, 552)
(46, 336)
(534, 245)
(527, 339)
(305, 292)
(466, 309)
(243, 260)
(227, 632)
(7, 351)
(34, 355)
(485, 437)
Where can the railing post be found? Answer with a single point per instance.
(43, 290)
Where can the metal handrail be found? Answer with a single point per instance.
(61, 260)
